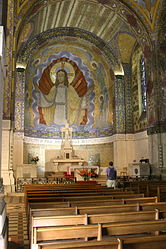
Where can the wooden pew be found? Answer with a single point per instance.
(66, 232)
(52, 221)
(96, 199)
(76, 193)
(85, 219)
(43, 221)
(42, 187)
(91, 202)
(149, 188)
(86, 197)
(121, 208)
(100, 204)
(161, 193)
(134, 228)
(74, 232)
(114, 201)
(39, 232)
(97, 209)
(146, 242)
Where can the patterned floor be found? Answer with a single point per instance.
(17, 229)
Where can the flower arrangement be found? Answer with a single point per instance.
(85, 173)
(35, 159)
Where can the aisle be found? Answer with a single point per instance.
(17, 235)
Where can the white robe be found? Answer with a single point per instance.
(61, 105)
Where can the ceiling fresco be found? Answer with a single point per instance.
(102, 20)
(146, 10)
(108, 22)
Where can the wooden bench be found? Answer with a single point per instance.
(76, 232)
(69, 224)
(53, 191)
(91, 202)
(149, 188)
(86, 197)
(113, 201)
(80, 193)
(66, 232)
(161, 193)
(98, 209)
(85, 219)
(146, 242)
(34, 187)
(96, 218)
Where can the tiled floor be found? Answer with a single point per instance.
(17, 229)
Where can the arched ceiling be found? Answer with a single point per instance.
(93, 18)
(146, 10)
(105, 19)
(87, 15)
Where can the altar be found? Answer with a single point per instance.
(66, 157)
(73, 168)
(66, 164)
(81, 167)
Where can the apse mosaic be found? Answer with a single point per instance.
(69, 85)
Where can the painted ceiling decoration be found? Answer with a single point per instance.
(98, 22)
(67, 34)
(147, 10)
(102, 20)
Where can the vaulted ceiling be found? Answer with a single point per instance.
(87, 15)
(113, 22)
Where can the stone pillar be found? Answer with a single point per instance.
(19, 117)
(156, 108)
(119, 104)
(8, 93)
(7, 147)
(119, 144)
(128, 98)
(2, 82)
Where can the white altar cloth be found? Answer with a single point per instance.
(83, 167)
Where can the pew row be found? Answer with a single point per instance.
(146, 242)
(99, 202)
(149, 188)
(105, 209)
(53, 234)
(83, 198)
(44, 221)
(52, 221)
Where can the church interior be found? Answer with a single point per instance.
(82, 84)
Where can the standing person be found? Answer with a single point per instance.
(111, 175)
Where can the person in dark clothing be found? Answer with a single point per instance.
(111, 175)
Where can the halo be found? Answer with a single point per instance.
(62, 65)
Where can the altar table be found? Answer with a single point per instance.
(83, 167)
